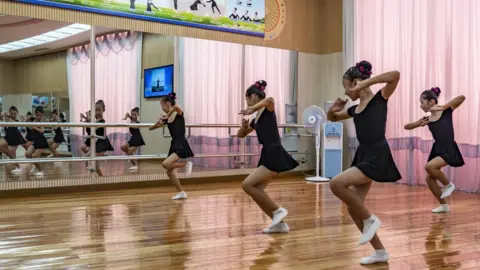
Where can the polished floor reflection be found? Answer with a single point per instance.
(219, 227)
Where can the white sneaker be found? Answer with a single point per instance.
(278, 216)
(370, 229)
(189, 168)
(376, 257)
(17, 171)
(180, 196)
(133, 168)
(279, 228)
(33, 170)
(447, 190)
(39, 174)
(51, 156)
(443, 208)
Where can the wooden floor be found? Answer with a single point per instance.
(219, 227)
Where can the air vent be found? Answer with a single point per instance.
(40, 49)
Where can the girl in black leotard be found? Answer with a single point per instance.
(179, 147)
(39, 143)
(445, 150)
(102, 144)
(234, 15)
(58, 139)
(373, 159)
(136, 140)
(273, 160)
(13, 137)
(29, 136)
(132, 5)
(86, 118)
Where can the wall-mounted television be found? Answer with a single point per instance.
(158, 82)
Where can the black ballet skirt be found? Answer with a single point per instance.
(87, 140)
(444, 136)
(179, 144)
(39, 140)
(373, 157)
(102, 145)
(14, 137)
(29, 135)
(273, 156)
(59, 138)
(136, 140)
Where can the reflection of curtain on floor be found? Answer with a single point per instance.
(211, 76)
(432, 43)
(116, 82)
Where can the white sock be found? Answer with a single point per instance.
(380, 252)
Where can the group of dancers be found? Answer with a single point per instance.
(373, 159)
(34, 142)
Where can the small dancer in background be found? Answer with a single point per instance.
(39, 143)
(136, 140)
(58, 139)
(179, 147)
(445, 150)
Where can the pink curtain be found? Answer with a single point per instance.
(212, 76)
(116, 81)
(432, 43)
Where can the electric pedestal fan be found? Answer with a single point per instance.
(314, 118)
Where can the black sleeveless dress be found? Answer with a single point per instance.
(39, 140)
(136, 139)
(89, 132)
(373, 156)
(179, 144)
(59, 137)
(29, 135)
(273, 156)
(102, 145)
(13, 136)
(444, 136)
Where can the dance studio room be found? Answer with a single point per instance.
(239, 134)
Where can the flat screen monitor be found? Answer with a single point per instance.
(158, 82)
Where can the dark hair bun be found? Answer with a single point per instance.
(136, 109)
(172, 95)
(436, 91)
(261, 85)
(364, 67)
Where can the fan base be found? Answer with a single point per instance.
(317, 179)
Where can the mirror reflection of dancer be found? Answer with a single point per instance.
(373, 159)
(86, 118)
(29, 136)
(234, 14)
(13, 138)
(136, 140)
(132, 5)
(179, 147)
(150, 5)
(445, 150)
(39, 143)
(273, 160)
(214, 5)
(102, 144)
(175, 4)
(245, 17)
(249, 3)
(58, 139)
(195, 4)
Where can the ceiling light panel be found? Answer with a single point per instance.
(48, 37)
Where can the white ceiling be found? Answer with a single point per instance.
(14, 28)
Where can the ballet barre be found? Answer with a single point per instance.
(126, 125)
(94, 158)
(108, 158)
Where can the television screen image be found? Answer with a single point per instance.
(158, 82)
(35, 101)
